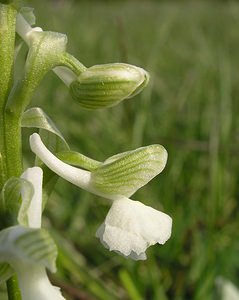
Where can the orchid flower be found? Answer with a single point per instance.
(130, 226)
(26, 247)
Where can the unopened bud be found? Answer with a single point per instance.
(106, 85)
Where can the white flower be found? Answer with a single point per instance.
(17, 245)
(130, 227)
(34, 283)
(33, 280)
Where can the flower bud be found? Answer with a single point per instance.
(106, 85)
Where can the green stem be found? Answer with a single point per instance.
(7, 41)
(7, 44)
(13, 289)
(13, 145)
(72, 63)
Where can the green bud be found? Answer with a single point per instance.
(106, 85)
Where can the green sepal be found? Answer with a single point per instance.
(79, 160)
(53, 142)
(28, 245)
(124, 173)
(46, 50)
(37, 118)
(6, 271)
(12, 210)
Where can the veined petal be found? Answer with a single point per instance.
(29, 246)
(131, 227)
(125, 173)
(29, 252)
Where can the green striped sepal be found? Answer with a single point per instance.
(124, 173)
(6, 271)
(106, 85)
(35, 117)
(33, 246)
(45, 52)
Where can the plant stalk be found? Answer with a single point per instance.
(13, 289)
(7, 41)
(8, 156)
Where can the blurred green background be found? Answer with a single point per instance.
(190, 107)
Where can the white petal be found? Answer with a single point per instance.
(76, 176)
(34, 283)
(34, 175)
(227, 289)
(131, 227)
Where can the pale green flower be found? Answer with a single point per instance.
(130, 226)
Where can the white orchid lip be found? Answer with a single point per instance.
(35, 285)
(131, 227)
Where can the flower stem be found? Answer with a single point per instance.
(13, 289)
(7, 38)
(13, 147)
(7, 159)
